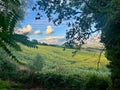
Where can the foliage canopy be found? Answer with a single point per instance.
(87, 17)
(12, 11)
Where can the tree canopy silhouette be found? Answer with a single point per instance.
(85, 18)
(12, 11)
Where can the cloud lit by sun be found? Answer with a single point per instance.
(49, 30)
(37, 32)
(24, 30)
(53, 40)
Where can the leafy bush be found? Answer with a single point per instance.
(37, 64)
(7, 67)
(97, 83)
(4, 85)
(58, 81)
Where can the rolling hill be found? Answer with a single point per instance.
(54, 59)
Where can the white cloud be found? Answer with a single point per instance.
(94, 40)
(37, 32)
(53, 40)
(49, 30)
(24, 30)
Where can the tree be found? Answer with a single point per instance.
(34, 41)
(85, 18)
(12, 11)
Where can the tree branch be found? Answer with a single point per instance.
(89, 5)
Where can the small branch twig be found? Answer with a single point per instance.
(99, 58)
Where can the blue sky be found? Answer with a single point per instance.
(42, 30)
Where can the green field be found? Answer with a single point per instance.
(54, 59)
(42, 67)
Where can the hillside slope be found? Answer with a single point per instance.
(50, 58)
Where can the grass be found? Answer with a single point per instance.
(42, 67)
(7, 85)
(4, 85)
(55, 59)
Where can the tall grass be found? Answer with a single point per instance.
(54, 69)
(56, 59)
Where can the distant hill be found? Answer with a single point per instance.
(93, 42)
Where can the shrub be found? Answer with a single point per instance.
(57, 81)
(97, 83)
(4, 85)
(7, 68)
(37, 64)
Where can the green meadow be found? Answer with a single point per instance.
(52, 68)
(54, 59)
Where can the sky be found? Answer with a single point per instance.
(42, 30)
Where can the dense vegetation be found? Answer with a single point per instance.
(46, 65)
(11, 12)
(54, 57)
(41, 70)
(85, 18)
